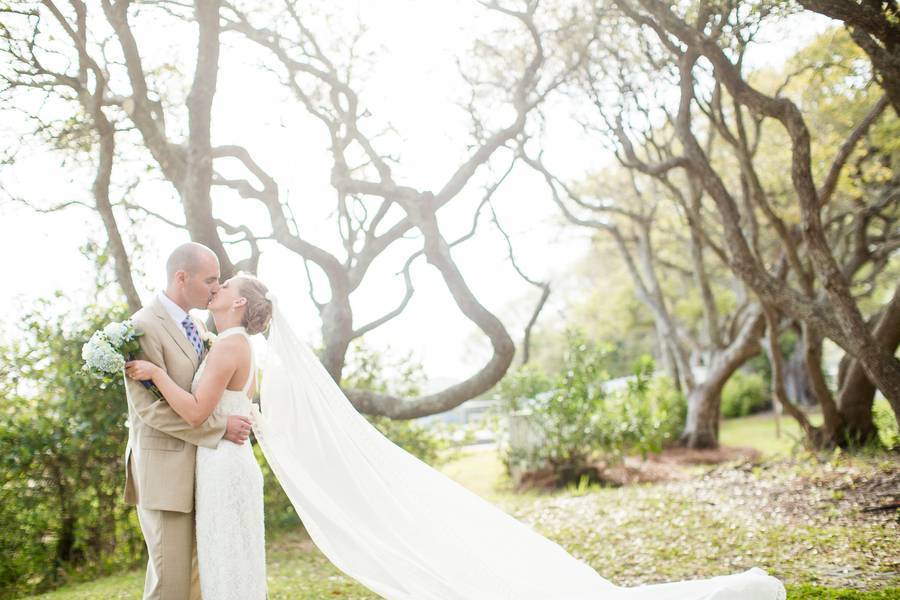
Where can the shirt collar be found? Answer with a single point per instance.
(176, 312)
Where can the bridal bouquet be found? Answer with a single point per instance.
(109, 348)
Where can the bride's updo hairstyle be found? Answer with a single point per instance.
(259, 308)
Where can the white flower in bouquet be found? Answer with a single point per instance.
(110, 348)
(100, 356)
(119, 333)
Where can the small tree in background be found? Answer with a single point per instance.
(576, 423)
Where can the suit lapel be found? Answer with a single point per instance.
(175, 332)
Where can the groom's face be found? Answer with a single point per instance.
(200, 286)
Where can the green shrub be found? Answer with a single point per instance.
(62, 446)
(571, 415)
(669, 404)
(745, 394)
(645, 416)
(886, 424)
(519, 386)
(578, 423)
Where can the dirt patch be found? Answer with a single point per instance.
(723, 454)
(635, 470)
(669, 465)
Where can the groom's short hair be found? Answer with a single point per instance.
(187, 257)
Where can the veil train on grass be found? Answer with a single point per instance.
(405, 530)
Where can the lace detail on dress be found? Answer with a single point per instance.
(231, 551)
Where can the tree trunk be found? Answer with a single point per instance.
(779, 391)
(883, 369)
(670, 364)
(796, 379)
(65, 543)
(855, 405)
(100, 189)
(832, 427)
(857, 392)
(92, 103)
(702, 427)
(198, 174)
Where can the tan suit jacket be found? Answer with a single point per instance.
(162, 447)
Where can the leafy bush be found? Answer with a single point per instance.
(653, 409)
(745, 394)
(886, 424)
(574, 422)
(520, 386)
(62, 446)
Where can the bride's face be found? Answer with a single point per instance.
(228, 297)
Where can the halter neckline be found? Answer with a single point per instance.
(231, 330)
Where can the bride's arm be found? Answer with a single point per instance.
(221, 364)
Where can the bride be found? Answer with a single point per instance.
(229, 494)
(381, 515)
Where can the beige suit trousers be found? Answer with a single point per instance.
(172, 572)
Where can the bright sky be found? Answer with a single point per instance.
(413, 86)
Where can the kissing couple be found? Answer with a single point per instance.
(378, 513)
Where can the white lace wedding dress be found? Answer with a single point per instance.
(231, 552)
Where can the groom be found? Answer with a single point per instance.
(161, 452)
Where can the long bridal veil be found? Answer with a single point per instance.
(405, 530)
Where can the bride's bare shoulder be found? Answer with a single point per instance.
(233, 346)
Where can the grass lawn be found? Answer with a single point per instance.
(759, 432)
(798, 518)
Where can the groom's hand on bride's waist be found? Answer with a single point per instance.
(238, 429)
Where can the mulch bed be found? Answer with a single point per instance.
(669, 465)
